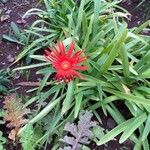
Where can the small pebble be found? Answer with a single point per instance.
(17, 47)
(110, 123)
(8, 11)
(138, 22)
(3, 63)
(17, 75)
(10, 58)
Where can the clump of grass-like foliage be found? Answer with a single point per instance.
(119, 70)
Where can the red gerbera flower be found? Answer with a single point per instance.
(65, 63)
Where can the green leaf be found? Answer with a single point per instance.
(125, 61)
(88, 32)
(2, 141)
(146, 145)
(78, 103)
(97, 9)
(129, 97)
(146, 74)
(43, 95)
(29, 137)
(44, 80)
(85, 148)
(114, 132)
(15, 30)
(38, 57)
(11, 39)
(130, 34)
(27, 143)
(95, 65)
(33, 46)
(80, 14)
(45, 110)
(136, 123)
(144, 89)
(98, 133)
(69, 97)
(143, 26)
(115, 50)
(45, 70)
(43, 113)
(146, 129)
(31, 66)
(116, 115)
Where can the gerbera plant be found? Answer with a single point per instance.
(66, 62)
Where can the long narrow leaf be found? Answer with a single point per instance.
(146, 129)
(115, 50)
(132, 127)
(69, 97)
(78, 102)
(114, 132)
(129, 97)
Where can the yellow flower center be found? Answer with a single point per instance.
(65, 65)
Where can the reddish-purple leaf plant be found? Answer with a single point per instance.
(14, 115)
(80, 133)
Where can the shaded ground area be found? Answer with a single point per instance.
(13, 10)
(139, 12)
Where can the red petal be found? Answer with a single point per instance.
(61, 48)
(80, 67)
(75, 57)
(47, 52)
(49, 59)
(55, 51)
(77, 74)
(51, 55)
(82, 59)
(70, 51)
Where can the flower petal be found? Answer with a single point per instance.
(70, 51)
(80, 68)
(61, 48)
